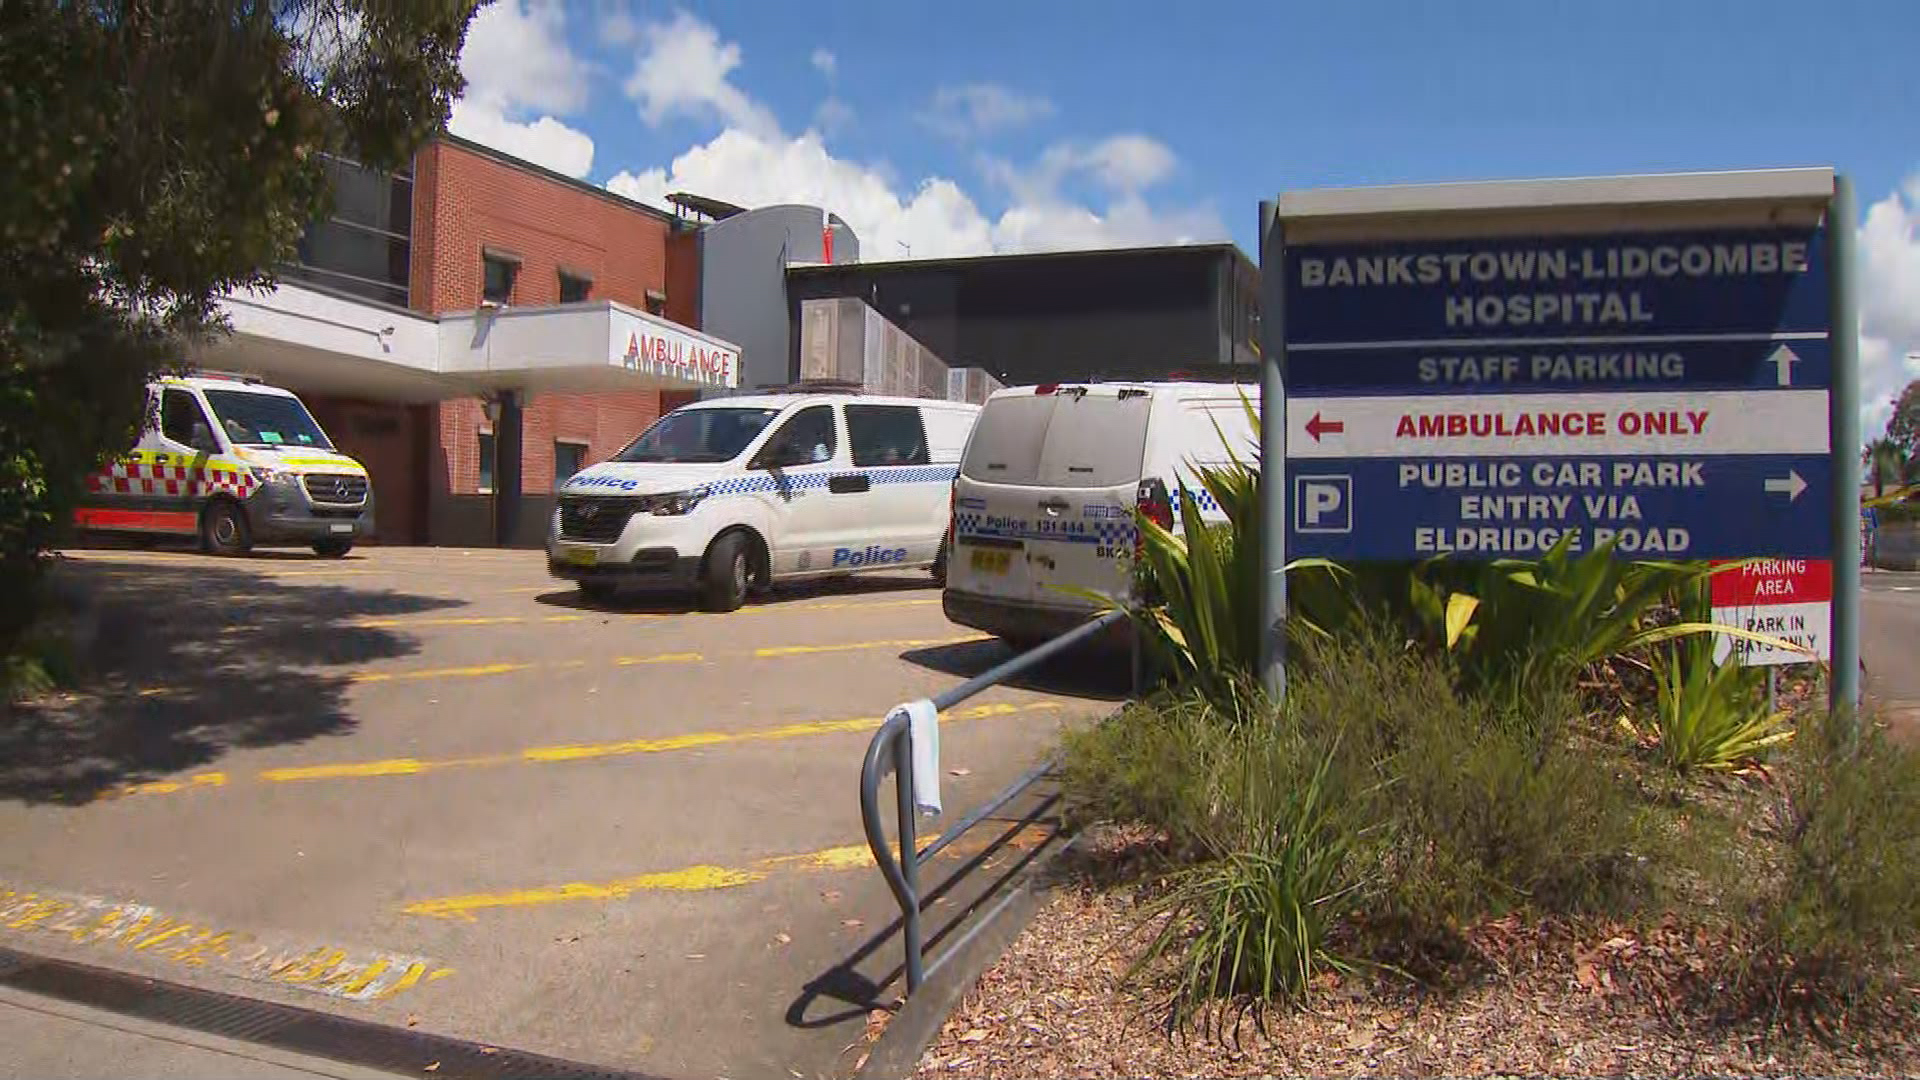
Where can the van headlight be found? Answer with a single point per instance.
(673, 504)
(268, 475)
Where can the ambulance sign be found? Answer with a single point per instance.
(1660, 393)
(1788, 599)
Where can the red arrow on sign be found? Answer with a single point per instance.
(1316, 426)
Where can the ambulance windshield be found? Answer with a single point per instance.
(698, 436)
(251, 419)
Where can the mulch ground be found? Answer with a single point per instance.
(1549, 997)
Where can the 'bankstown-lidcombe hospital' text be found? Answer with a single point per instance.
(1597, 268)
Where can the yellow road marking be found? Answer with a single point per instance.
(110, 925)
(545, 755)
(439, 673)
(850, 646)
(701, 878)
(662, 658)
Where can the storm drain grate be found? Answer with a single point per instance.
(285, 1027)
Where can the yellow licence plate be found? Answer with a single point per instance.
(581, 556)
(987, 561)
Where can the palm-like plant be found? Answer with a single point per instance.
(1884, 458)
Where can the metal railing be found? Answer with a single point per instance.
(892, 750)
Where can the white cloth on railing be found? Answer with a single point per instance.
(923, 729)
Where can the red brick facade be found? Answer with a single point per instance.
(468, 201)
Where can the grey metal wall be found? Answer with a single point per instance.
(743, 295)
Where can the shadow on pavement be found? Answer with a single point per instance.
(187, 660)
(854, 986)
(1082, 673)
(638, 602)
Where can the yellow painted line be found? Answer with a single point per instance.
(547, 755)
(109, 926)
(661, 658)
(851, 646)
(475, 671)
(701, 878)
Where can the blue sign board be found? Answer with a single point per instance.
(1662, 391)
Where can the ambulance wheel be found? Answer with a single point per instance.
(223, 529)
(332, 548)
(729, 572)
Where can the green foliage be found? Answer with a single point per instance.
(1711, 716)
(1390, 797)
(157, 157)
(1850, 899)
(1888, 464)
(1256, 918)
(1903, 425)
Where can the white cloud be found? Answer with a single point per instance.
(832, 115)
(935, 218)
(979, 109)
(825, 62)
(683, 68)
(1889, 285)
(1123, 164)
(545, 141)
(520, 71)
(516, 56)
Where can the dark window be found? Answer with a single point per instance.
(363, 246)
(694, 436)
(806, 439)
(486, 462)
(568, 458)
(497, 276)
(656, 302)
(574, 287)
(182, 421)
(886, 435)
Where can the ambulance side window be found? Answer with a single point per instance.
(182, 421)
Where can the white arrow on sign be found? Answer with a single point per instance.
(1783, 359)
(1790, 485)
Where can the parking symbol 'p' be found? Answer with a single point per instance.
(1323, 504)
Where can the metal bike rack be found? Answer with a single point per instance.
(892, 750)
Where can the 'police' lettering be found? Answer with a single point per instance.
(874, 555)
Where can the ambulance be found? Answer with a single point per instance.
(234, 463)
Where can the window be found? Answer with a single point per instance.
(363, 246)
(255, 419)
(574, 287)
(698, 436)
(886, 435)
(486, 463)
(182, 421)
(497, 274)
(656, 302)
(568, 458)
(807, 439)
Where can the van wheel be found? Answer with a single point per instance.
(223, 530)
(332, 548)
(728, 574)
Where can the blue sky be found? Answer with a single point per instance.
(940, 129)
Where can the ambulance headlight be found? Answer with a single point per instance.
(674, 504)
(267, 475)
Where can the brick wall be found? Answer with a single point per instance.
(466, 200)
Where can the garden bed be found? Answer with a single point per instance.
(1551, 995)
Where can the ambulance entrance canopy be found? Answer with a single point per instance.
(315, 342)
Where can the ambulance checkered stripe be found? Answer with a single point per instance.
(189, 481)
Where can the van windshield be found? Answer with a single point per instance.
(698, 436)
(251, 419)
(1078, 440)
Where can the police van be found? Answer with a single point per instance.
(235, 463)
(724, 495)
(1043, 508)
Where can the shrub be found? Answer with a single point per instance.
(1850, 897)
(1710, 716)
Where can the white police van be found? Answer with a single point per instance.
(722, 495)
(1043, 506)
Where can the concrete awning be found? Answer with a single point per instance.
(319, 342)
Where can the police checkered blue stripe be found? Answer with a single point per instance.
(1201, 498)
(1113, 533)
(807, 481)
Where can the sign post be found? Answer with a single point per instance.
(1488, 370)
